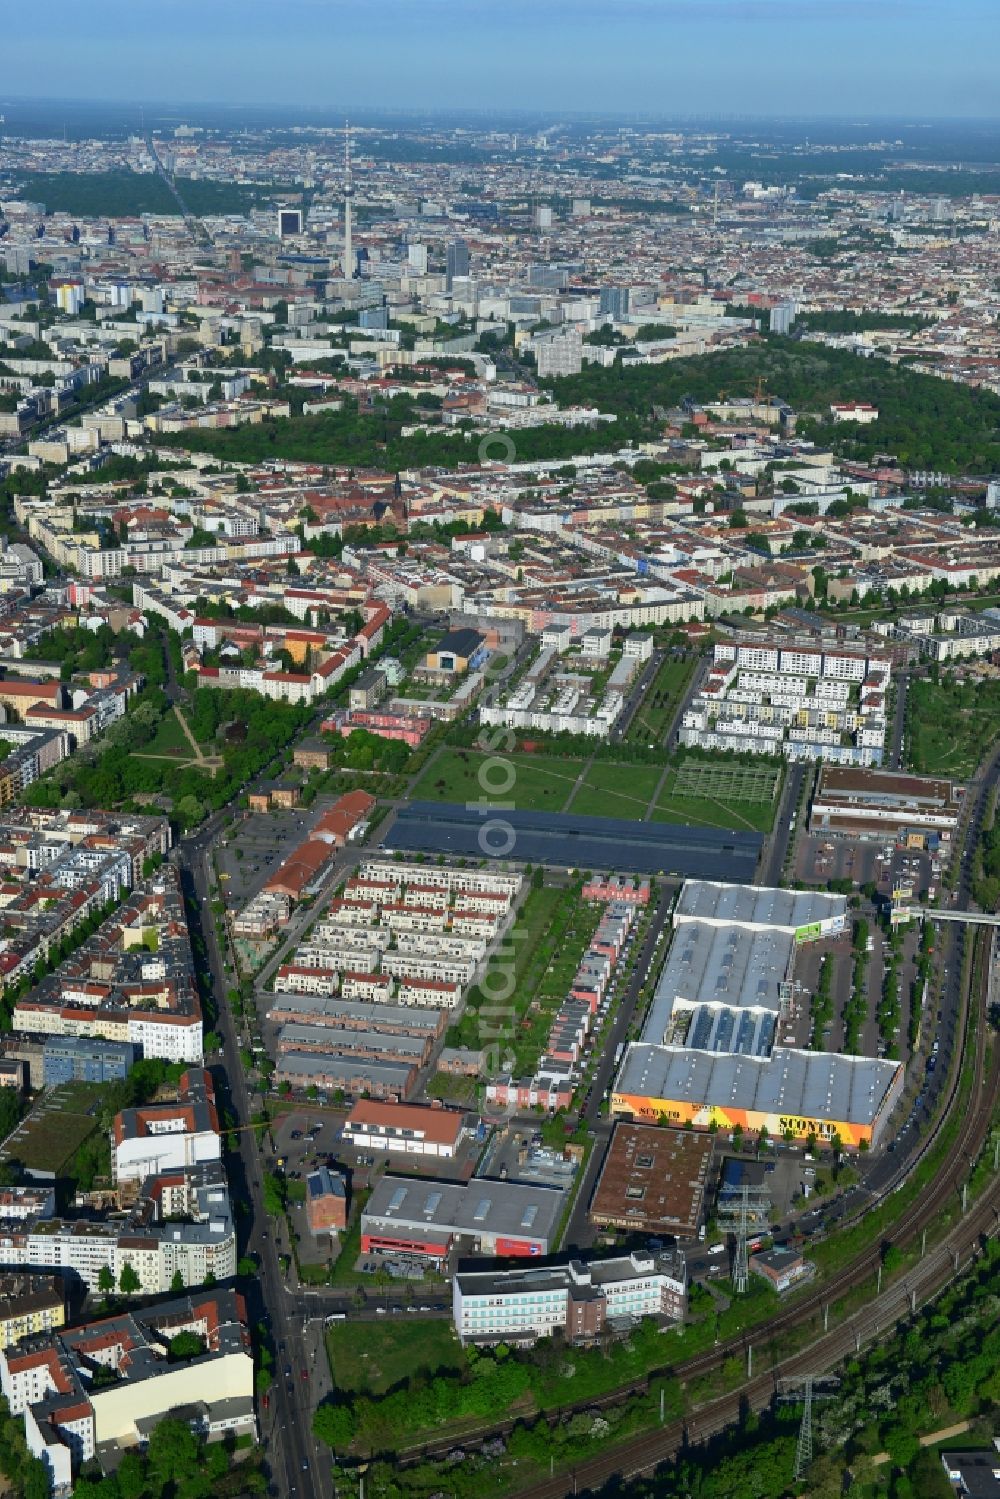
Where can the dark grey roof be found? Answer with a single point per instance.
(567, 841)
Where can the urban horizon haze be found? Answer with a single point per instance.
(879, 58)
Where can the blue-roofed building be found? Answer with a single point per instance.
(86, 1059)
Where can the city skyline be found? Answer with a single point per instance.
(760, 58)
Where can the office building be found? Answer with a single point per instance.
(457, 262)
(652, 1181)
(290, 223)
(615, 302)
(580, 1300)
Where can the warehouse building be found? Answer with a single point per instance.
(709, 1053)
(652, 1181)
(879, 804)
(429, 1219)
(570, 842)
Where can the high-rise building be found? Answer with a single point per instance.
(290, 222)
(69, 297)
(543, 216)
(581, 208)
(416, 257)
(615, 302)
(782, 317)
(559, 353)
(458, 262)
(349, 266)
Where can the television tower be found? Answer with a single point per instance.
(348, 249)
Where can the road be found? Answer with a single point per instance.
(899, 721)
(775, 848)
(297, 1464)
(577, 1233)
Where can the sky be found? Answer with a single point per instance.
(853, 58)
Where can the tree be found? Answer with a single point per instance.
(129, 1282)
(105, 1280)
(177, 1283)
(334, 1425)
(173, 1452)
(186, 1344)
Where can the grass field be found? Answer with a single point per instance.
(542, 783)
(709, 794)
(55, 1129)
(950, 724)
(612, 790)
(169, 739)
(529, 977)
(659, 703)
(370, 1358)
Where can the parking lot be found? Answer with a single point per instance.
(517, 1153)
(251, 853)
(820, 858)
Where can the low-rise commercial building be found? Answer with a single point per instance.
(709, 1053)
(406, 1129)
(881, 804)
(653, 1181)
(428, 1219)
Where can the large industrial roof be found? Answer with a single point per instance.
(752, 906)
(572, 842)
(479, 1207)
(719, 965)
(813, 1085)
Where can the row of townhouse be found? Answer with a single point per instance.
(399, 937)
(555, 1079)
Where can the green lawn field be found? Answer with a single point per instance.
(371, 1357)
(613, 790)
(541, 783)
